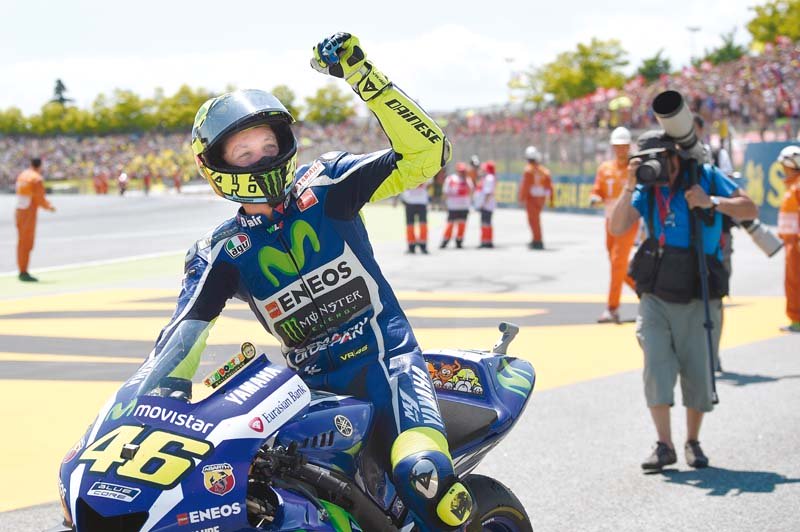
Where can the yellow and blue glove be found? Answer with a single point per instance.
(341, 56)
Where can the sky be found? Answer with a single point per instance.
(446, 55)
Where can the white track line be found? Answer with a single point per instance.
(100, 262)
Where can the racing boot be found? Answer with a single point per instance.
(426, 482)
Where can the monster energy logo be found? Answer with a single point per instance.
(514, 379)
(291, 328)
(275, 180)
(269, 258)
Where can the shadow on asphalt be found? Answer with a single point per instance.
(720, 482)
(743, 379)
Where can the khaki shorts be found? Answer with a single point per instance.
(674, 343)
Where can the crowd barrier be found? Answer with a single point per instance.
(761, 177)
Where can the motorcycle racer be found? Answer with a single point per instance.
(298, 253)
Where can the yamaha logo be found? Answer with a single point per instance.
(343, 425)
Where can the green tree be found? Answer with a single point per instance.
(176, 112)
(728, 51)
(653, 67)
(287, 98)
(775, 18)
(330, 105)
(13, 122)
(580, 72)
(59, 93)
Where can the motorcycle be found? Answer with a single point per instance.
(264, 452)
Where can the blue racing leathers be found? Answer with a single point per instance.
(310, 277)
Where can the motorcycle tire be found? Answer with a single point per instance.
(498, 509)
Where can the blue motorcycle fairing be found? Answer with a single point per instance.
(204, 450)
(481, 396)
(331, 433)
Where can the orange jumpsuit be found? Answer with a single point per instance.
(534, 190)
(608, 185)
(30, 196)
(789, 231)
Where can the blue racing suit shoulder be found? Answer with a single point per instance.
(203, 246)
(351, 180)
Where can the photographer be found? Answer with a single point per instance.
(671, 311)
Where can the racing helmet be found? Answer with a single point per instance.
(266, 181)
(532, 154)
(790, 156)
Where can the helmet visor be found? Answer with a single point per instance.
(231, 111)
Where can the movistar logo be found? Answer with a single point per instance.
(514, 379)
(118, 410)
(269, 258)
(291, 328)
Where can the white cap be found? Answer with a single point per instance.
(532, 154)
(790, 156)
(620, 136)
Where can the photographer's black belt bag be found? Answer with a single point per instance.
(673, 273)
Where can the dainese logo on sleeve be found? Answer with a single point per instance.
(237, 244)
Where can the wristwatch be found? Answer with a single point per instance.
(714, 201)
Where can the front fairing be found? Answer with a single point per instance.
(179, 463)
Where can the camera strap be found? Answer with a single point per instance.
(663, 211)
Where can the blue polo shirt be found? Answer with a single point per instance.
(676, 227)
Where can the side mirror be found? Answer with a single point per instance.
(509, 331)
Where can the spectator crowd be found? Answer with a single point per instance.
(756, 97)
(754, 93)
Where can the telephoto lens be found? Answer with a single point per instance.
(647, 173)
(762, 237)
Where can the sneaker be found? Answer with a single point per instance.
(537, 245)
(27, 278)
(662, 456)
(793, 327)
(423, 248)
(695, 456)
(459, 244)
(411, 249)
(444, 244)
(609, 316)
(486, 245)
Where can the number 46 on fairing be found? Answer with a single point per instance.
(161, 458)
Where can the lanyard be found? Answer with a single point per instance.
(663, 209)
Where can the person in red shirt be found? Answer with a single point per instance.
(535, 189)
(485, 202)
(30, 196)
(458, 195)
(474, 170)
(789, 231)
(416, 203)
(608, 183)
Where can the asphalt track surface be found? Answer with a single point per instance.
(573, 459)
